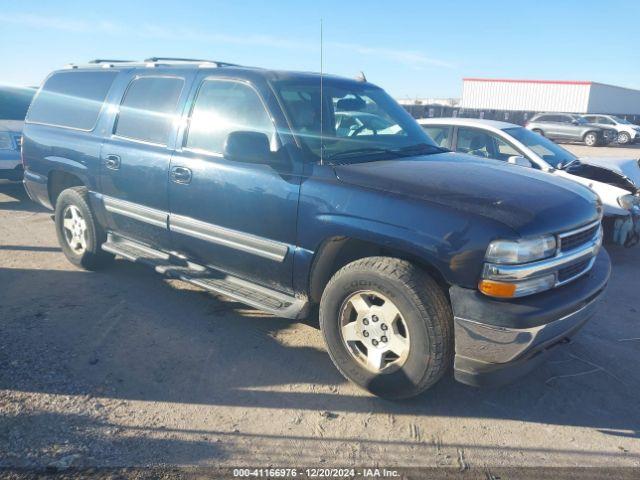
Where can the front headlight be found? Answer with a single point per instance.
(629, 201)
(521, 251)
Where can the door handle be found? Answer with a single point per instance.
(181, 175)
(112, 162)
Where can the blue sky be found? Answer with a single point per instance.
(412, 48)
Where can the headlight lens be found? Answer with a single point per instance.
(521, 251)
(5, 141)
(629, 201)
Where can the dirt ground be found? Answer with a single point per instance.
(124, 368)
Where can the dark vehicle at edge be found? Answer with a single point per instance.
(237, 180)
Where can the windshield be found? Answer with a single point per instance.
(550, 152)
(622, 121)
(357, 122)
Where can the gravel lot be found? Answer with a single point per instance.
(125, 368)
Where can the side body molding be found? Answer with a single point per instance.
(262, 247)
(245, 242)
(136, 211)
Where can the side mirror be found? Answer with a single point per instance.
(575, 122)
(247, 147)
(519, 160)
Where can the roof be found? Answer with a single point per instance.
(467, 122)
(544, 82)
(513, 80)
(212, 65)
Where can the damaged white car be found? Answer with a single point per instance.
(615, 180)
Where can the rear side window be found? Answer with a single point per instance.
(71, 99)
(222, 107)
(149, 108)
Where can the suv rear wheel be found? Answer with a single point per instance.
(387, 326)
(78, 233)
(590, 139)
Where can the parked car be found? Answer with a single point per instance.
(571, 128)
(236, 179)
(627, 132)
(10, 139)
(615, 180)
(14, 103)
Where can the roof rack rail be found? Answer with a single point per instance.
(190, 60)
(106, 60)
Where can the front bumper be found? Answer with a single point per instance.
(498, 341)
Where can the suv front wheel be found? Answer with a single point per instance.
(388, 326)
(79, 235)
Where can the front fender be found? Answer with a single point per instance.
(452, 242)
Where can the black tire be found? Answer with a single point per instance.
(591, 139)
(538, 131)
(93, 257)
(624, 138)
(425, 311)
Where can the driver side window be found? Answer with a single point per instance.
(484, 144)
(221, 107)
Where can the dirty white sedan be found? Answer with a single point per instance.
(615, 180)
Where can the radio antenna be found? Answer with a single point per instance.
(321, 98)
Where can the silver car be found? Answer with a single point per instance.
(571, 128)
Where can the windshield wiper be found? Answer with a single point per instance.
(361, 151)
(425, 148)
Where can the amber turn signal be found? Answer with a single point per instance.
(497, 289)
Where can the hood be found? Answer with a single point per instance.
(627, 167)
(11, 126)
(528, 201)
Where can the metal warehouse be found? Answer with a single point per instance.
(548, 96)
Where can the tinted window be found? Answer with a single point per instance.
(222, 107)
(439, 134)
(71, 99)
(14, 102)
(148, 109)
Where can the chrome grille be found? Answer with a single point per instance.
(577, 238)
(566, 274)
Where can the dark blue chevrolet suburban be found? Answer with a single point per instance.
(287, 190)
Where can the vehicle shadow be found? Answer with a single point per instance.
(13, 196)
(127, 333)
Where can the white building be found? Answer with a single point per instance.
(548, 96)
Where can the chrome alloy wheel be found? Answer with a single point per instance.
(75, 229)
(374, 332)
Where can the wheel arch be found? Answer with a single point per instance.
(60, 180)
(336, 252)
